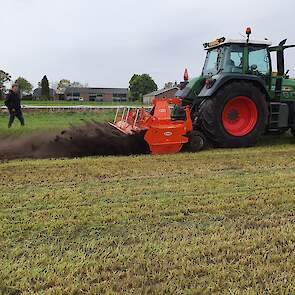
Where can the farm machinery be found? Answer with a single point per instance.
(243, 92)
(163, 134)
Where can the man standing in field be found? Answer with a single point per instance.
(12, 102)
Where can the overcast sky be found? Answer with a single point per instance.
(103, 43)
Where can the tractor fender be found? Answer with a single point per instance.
(220, 80)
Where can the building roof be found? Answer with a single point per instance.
(161, 91)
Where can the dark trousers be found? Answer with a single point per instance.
(13, 114)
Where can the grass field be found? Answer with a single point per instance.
(216, 222)
(51, 121)
(72, 103)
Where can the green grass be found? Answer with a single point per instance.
(72, 103)
(216, 222)
(50, 121)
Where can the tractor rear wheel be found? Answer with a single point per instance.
(235, 117)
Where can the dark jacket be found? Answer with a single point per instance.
(13, 101)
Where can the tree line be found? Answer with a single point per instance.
(139, 85)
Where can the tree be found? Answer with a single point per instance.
(170, 84)
(4, 78)
(45, 91)
(140, 85)
(54, 85)
(63, 84)
(78, 84)
(24, 85)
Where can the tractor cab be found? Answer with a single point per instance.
(237, 57)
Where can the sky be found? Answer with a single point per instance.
(103, 43)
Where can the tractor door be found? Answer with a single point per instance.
(278, 72)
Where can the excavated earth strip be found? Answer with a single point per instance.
(90, 139)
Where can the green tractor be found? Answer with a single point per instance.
(240, 95)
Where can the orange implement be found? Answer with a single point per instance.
(163, 134)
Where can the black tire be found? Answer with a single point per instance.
(197, 142)
(209, 119)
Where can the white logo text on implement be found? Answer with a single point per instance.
(168, 134)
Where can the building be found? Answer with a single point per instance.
(163, 93)
(96, 94)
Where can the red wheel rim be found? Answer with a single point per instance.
(239, 116)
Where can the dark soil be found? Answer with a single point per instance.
(91, 139)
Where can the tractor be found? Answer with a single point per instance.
(238, 98)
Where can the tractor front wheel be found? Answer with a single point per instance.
(235, 117)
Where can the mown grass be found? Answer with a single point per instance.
(220, 221)
(51, 121)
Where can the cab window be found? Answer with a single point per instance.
(233, 59)
(211, 63)
(258, 61)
